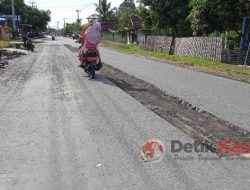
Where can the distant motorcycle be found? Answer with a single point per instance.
(53, 37)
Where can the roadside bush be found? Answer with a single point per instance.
(4, 43)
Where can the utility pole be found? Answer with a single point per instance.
(64, 31)
(78, 11)
(57, 25)
(13, 14)
(78, 20)
(32, 4)
(64, 22)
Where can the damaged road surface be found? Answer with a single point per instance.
(8, 55)
(196, 123)
(60, 130)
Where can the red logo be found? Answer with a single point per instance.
(153, 150)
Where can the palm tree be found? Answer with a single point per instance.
(104, 10)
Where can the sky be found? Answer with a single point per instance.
(67, 9)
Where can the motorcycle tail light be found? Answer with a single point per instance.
(91, 58)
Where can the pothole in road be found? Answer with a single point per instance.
(5, 56)
(201, 125)
(73, 49)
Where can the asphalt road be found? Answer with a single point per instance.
(225, 98)
(60, 130)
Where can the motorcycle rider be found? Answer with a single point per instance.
(25, 38)
(82, 33)
(92, 37)
(53, 36)
(27, 41)
(82, 39)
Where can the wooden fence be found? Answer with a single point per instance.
(235, 57)
(157, 43)
(203, 47)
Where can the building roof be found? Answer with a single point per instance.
(109, 25)
(135, 23)
(93, 16)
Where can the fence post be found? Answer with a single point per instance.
(247, 55)
(243, 41)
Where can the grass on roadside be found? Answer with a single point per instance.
(200, 63)
(4, 43)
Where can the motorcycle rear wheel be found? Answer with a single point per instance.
(92, 69)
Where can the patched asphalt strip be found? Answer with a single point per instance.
(73, 49)
(196, 123)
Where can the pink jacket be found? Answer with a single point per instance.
(89, 45)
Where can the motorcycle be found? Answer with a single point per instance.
(28, 44)
(89, 62)
(53, 37)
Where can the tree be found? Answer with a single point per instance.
(105, 11)
(71, 27)
(51, 30)
(166, 16)
(123, 18)
(127, 5)
(5, 7)
(37, 18)
(206, 16)
(125, 11)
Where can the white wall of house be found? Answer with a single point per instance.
(140, 36)
(129, 38)
(117, 37)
